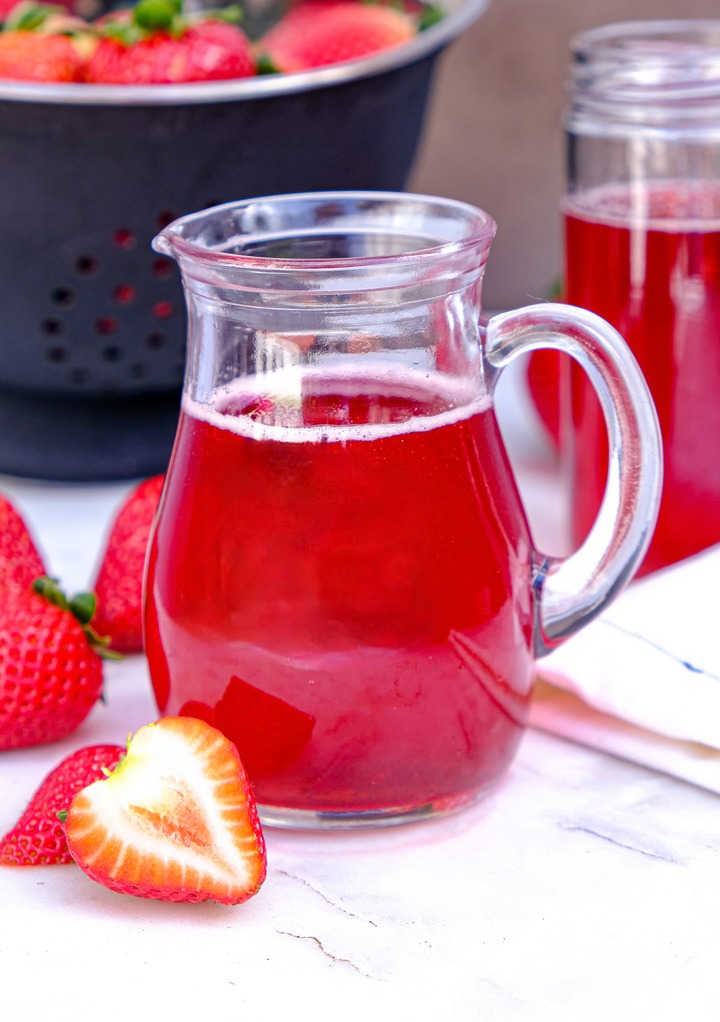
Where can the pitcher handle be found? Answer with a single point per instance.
(573, 591)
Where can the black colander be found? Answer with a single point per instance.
(92, 321)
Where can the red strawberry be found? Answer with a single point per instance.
(39, 57)
(176, 820)
(50, 666)
(38, 838)
(7, 6)
(20, 561)
(321, 32)
(118, 584)
(154, 45)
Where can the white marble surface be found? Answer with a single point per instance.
(583, 888)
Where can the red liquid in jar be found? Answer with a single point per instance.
(342, 585)
(649, 262)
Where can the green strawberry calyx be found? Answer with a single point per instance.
(430, 14)
(62, 814)
(162, 17)
(425, 13)
(29, 16)
(34, 16)
(82, 606)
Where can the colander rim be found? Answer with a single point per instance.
(460, 14)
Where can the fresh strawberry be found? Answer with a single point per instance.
(51, 669)
(118, 583)
(38, 838)
(39, 57)
(8, 7)
(155, 44)
(42, 43)
(176, 820)
(5, 7)
(321, 32)
(20, 561)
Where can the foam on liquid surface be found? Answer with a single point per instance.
(276, 406)
(670, 206)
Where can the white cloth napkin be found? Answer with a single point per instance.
(643, 680)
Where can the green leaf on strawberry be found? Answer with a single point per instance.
(28, 16)
(82, 606)
(430, 14)
(156, 15)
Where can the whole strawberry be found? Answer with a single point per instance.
(35, 57)
(155, 44)
(7, 7)
(42, 43)
(322, 32)
(20, 561)
(118, 584)
(51, 671)
(38, 837)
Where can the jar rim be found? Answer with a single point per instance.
(672, 63)
(617, 34)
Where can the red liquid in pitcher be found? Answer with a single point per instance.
(341, 583)
(649, 262)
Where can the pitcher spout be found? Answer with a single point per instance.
(161, 243)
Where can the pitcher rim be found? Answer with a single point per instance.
(481, 230)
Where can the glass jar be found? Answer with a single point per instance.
(642, 240)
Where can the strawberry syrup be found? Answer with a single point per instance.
(340, 581)
(649, 262)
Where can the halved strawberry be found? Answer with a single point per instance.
(321, 32)
(38, 837)
(175, 821)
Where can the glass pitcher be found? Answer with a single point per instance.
(341, 576)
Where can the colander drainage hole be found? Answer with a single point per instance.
(62, 297)
(112, 353)
(56, 354)
(105, 325)
(123, 237)
(86, 266)
(155, 341)
(162, 268)
(124, 294)
(51, 327)
(165, 217)
(163, 310)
